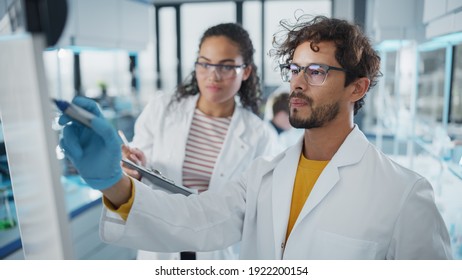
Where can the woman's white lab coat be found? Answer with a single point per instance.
(161, 132)
(363, 206)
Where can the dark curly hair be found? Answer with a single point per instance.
(250, 91)
(353, 49)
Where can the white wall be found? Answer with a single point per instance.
(442, 17)
(394, 20)
(106, 24)
(343, 9)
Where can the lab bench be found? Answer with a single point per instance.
(84, 208)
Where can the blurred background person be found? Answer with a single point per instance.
(280, 120)
(277, 116)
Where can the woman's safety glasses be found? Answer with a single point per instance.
(224, 71)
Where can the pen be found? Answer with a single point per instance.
(126, 143)
(124, 139)
(79, 114)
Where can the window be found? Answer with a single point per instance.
(430, 97)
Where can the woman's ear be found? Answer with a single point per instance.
(360, 87)
(247, 72)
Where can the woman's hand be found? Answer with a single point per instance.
(135, 155)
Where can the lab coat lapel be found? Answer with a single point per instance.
(178, 124)
(350, 152)
(234, 148)
(283, 182)
(326, 181)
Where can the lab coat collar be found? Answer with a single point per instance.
(236, 119)
(192, 104)
(238, 125)
(352, 149)
(350, 152)
(235, 147)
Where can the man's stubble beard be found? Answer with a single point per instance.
(318, 118)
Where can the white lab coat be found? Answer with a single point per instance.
(286, 138)
(161, 132)
(363, 206)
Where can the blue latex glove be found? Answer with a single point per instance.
(95, 152)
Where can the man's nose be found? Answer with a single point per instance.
(298, 81)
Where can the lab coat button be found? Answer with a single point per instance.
(221, 174)
(282, 245)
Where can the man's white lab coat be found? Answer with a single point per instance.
(363, 206)
(161, 132)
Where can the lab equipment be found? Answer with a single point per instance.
(6, 217)
(75, 112)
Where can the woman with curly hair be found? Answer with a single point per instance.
(208, 132)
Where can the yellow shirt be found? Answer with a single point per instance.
(308, 172)
(125, 208)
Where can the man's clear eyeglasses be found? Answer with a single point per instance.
(224, 71)
(314, 74)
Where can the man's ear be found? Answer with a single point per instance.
(360, 87)
(247, 72)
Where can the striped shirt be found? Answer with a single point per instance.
(205, 139)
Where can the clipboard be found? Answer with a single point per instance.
(158, 179)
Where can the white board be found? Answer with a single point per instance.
(30, 142)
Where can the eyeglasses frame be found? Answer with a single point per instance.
(203, 64)
(326, 68)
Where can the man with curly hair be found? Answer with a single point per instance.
(333, 195)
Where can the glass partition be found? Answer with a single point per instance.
(455, 113)
(384, 117)
(389, 95)
(430, 93)
(456, 88)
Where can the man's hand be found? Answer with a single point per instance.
(95, 151)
